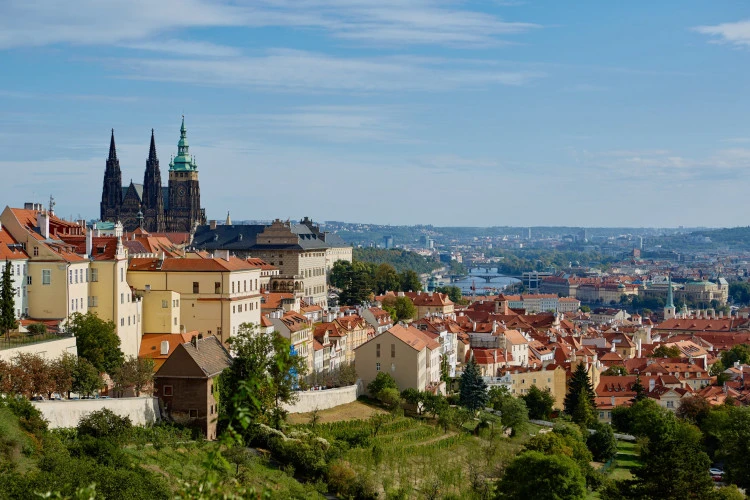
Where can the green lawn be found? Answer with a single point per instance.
(626, 460)
(15, 444)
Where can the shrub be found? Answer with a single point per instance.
(382, 381)
(37, 329)
(105, 424)
(390, 398)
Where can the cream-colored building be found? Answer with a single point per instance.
(408, 355)
(217, 295)
(161, 311)
(295, 327)
(57, 276)
(551, 378)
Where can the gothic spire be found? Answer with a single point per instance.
(670, 300)
(112, 149)
(152, 148)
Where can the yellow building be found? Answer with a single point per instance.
(551, 378)
(217, 295)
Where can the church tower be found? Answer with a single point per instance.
(112, 189)
(670, 311)
(184, 191)
(153, 200)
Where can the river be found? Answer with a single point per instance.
(478, 278)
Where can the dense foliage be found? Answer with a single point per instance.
(539, 403)
(359, 282)
(400, 260)
(7, 300)
(473, 388)
(97, 341)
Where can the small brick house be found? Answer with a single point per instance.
(186, 384)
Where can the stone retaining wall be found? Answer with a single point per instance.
(322, 400)
(67, 413)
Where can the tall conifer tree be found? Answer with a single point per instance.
(7, 301)
(473, 393)
(578, 382)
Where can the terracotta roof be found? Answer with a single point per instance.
(410, 336)
(10, 249)
(151, 343)
(189, 265)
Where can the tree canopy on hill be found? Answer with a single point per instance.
(401, 260)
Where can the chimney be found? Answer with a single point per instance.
(42, 220)
(651, 385)
(194, 341)
(164, 347)
(613, 401)
(212, 224)
(89, 241)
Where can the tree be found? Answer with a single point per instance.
(473, 389)
(513, 414)
(410, 281)
(37, 329)
(602, 442)
(733, 433)
(97, 341)
(615, 370)
(694, 409)
(135, 373)
(579, 382)
(540, 403)
(86, 378)
(738, 353)
(383, 380)
(105, 424)
(583, 411)
(640, 391)
(7, 301)
(390, 397)
(62, 370)
(452, 291)
(261, 378)
(543, 477)
(585, 309)
(386, 279)
(739, 291)
(666, 352)
(401, 308)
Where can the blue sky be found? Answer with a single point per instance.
(395, 112)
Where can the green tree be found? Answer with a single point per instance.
(386, 279)
(473, 389)
(86, 378)
(733, 433)
(7, 301)
(583, 411)
(513, 414)
(452, 291)
(666, 352)
(105, 424)
(579, 381)
(262, 376)
(37, 329)
(97, 341)
(401, 308)
(739, 291)
(738, 353)
(640, 391)
(542, 477)
(615, 370)
(383, 380)
(585, 309)
(602, 442)
(410, 281)
(540, 403)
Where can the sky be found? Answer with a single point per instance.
(444, 112)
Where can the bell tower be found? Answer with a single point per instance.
(184, 190)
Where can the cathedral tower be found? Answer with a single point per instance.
(153, 199)
(112, 189)
(184, 191)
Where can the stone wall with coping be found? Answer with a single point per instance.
(48, 349)
(66, 414)
(322, 400)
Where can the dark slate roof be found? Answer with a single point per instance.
(335, 240)
(209, 355)
(240, 237)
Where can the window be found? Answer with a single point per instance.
(217, 287)
(36, 251)
(218, 331)
(94, 275)
(393, 367)
(122, 298)
(377, 350)
(28, 280)
(93, 301)
(167, 390)
(175, 321)
(196, 288)
(193, 413)
(70, 276)
(244, 285)
(601, 414)
(46, 276)
(232, 286)
(377, 367)
(233, 311)
(122, 274)
(393, 350)
(670, 404)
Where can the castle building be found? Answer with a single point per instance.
(151, 206)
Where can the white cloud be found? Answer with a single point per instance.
(292, 70)
(141, 23)
(737, 33)
(185, 48)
